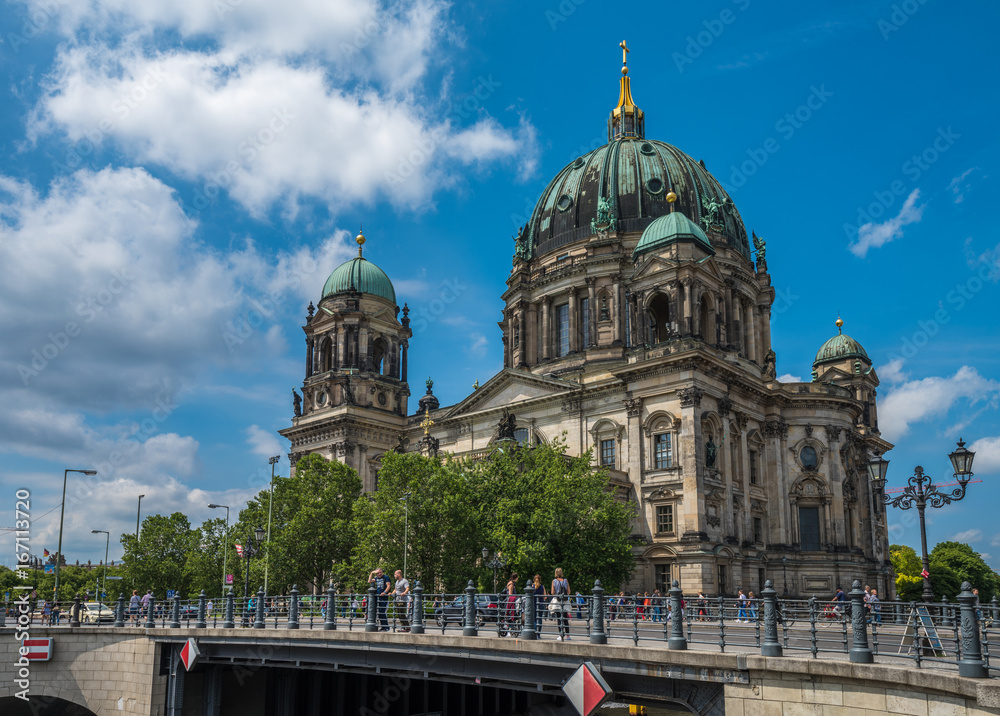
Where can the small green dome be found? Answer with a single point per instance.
(669, 228)
(838, 348)
(362, 276)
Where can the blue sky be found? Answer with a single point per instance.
(178, 179)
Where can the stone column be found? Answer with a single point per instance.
(765, 329)
(688, 327)
(574, 322)
(616, 298)
(310, 343)
(592, 313)
(728, 317)
(690, 451)
(339, 347)
(752, 333)
(546, 333)
(406, 345)
(531, 337)
(522, 339)
(633, 412)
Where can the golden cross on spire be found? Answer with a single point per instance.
(625, 52)
(426, 423)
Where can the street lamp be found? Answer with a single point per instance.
(138, 511)
(784, 575)
(250, 549)
(104, 589)
(405, 499)
(495, 563)
(921, 493)
(270, 510)
(62, 512)
(225, 546)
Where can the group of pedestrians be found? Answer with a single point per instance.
(400, 592)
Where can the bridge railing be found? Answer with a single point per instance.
(965, 636)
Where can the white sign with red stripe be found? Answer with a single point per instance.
(189, 654)
(586, 689)
(38, 649)
(239, 550)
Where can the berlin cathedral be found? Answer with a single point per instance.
(636, 324)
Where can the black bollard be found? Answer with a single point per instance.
(898, 603)
(175, 618)
(771, 645)
(258, 621)
(677, 639)
(120, 611)
(330, 623)
(74, 617)
(151, 613)
(971, 664)
(228, 622)
(597, 633)
(370, 623)
(417, 618)
(470, 628)
(860, 652)
(202, 609)
(293, 608)
(528, 631)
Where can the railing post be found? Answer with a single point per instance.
(528, 610)
(722, 623)
(417, 618)
(597, 633)
(330, 623)
(150, 610)
(860, 652)
(258, 622)
(202, 609)
(74, 616)
(230, 608)
(677, 639)
(293, 607)
(120, 613)
(945, 612)
(899, 611)
(771, 645)
(971, 663)
(470, 628)
(813, 613)
(175, 616)
(370, 617)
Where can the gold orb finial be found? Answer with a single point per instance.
(360, 238)
(671, 196)
(840, 324)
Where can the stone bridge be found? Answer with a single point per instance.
(284, 672)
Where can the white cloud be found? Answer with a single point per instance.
(959, 186)
(971, 535)
(987, 460)
(478, 344)
(892, 371)
(263, 442)
(872, 235)
(789, 378)
(916, 400)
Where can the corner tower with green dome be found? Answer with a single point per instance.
(353, 403)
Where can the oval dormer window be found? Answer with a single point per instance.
(654, 186)
(564, 203)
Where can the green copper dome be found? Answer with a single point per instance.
(362, 276)
(838, 348)
(670, 228)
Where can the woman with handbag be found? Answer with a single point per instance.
(540, 602)
(560, 590)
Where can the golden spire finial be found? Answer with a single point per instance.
(840, 324)
(360, 238)
(426, 423)
(625, 52)
(671, 198)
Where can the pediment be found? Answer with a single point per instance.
(508, 388)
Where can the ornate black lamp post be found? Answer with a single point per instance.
(495, 564)
(784, 575)
(250, 549)
(921, 493)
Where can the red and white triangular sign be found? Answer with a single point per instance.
(189, 654)
(586, 689)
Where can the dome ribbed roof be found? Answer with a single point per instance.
(668, 229)
(361, 275)
(838, 348)
(634, 175)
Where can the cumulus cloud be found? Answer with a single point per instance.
(789, 378)
(972, 535)
(873, 235)
(987, 455)
(892, 372)
(913, 401)
(263, 442)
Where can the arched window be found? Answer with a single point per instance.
(522, 436)
(661, 433)
(808, 457)
(380, 351)
(659, 318)
(607, 437)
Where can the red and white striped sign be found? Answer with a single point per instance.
(586, 689)
(39, 649)
(189, 654)
(239, 550)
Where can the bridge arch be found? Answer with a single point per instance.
(43, 705)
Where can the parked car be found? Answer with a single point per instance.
(454, 611)
(96, 613)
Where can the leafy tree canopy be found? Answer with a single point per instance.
(967, 565)
(905, 560)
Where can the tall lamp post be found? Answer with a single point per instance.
(104, 588)
(62, 513)
(138, 511)
(405, 499)
(270, 510)
(225, 546)
(495, 564)
(784, 575)
(921, 493)
(250, 549)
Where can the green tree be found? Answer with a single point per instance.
(158, 558)
(905, 560)
(545, 509)
(203, 567)
(967, 565)
(443, 536)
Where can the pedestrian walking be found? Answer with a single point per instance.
(133, 606)
(875, 605)
(741, 615)
(540, 602)
(702, 604)
(751, 607)
(580, 601)
(402, 592)
(560, 593)
(382, 589)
